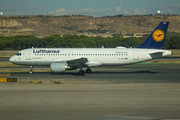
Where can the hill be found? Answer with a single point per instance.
(85, 25)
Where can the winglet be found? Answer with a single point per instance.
(157, 37)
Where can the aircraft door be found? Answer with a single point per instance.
(28, 55)
(135, 55)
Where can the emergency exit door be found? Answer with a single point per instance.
(28, 55)
(135, 55)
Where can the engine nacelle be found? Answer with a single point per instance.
(93, 64)
(58, 67)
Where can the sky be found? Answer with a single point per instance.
(96, 8)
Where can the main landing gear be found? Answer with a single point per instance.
(81, 72)
(31, 69)
(88, 70)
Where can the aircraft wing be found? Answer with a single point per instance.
(77, 62)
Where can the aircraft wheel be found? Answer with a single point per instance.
(31, 69)
(81, 72)
(88, 70)
(30, 72)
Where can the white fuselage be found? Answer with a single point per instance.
(103, 56)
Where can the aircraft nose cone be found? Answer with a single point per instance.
(11, 59)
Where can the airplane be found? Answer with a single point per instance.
(62, 59)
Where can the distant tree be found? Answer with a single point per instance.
(166, 43)
(174, 42)
(2, 45)
(79, 45)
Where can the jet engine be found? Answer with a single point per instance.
(60, 67)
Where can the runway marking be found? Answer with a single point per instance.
(3, 79)
(8, 79)
(35, 82)
(118, 69)
(5, 75)
(123, 69)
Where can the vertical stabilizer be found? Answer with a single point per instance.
(157, 37)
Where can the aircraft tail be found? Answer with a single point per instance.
(157, 37)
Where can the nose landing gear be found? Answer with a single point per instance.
(31, 69)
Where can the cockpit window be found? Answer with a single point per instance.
(18, 54)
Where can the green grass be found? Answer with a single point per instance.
(7, 53)
(156, 63)
(6, 63)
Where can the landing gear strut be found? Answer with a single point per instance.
(88, 70)
(31, 70)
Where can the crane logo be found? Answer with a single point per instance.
(158, 35)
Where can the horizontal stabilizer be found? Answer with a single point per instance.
(156, 55)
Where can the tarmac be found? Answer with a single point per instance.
(123, 101)
(140, 73)
(133, 92)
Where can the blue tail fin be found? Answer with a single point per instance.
(157, 37)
